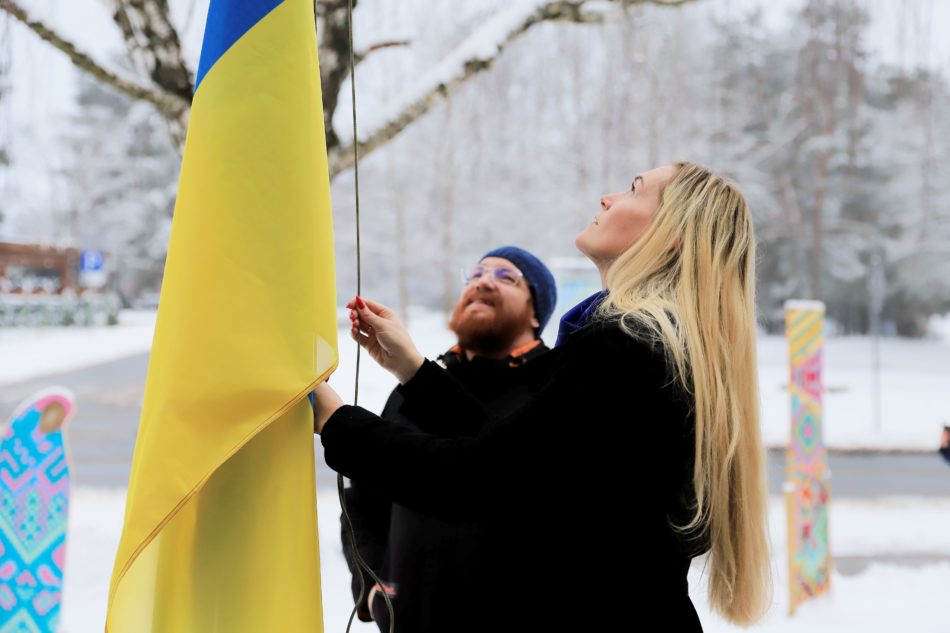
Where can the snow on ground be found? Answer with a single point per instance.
(939, 327)
(883, 525)
(883, 597)
(914, 378)
(27, 353)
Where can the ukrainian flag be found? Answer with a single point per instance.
(220, 527)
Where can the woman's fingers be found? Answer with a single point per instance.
(367, 318)
(362, 304)
(378, 308)
(361, 335)
(367, 340)
(380, 332)
(359, 324)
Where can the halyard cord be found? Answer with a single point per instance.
(356, 387)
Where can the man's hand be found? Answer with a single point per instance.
(381, 333)
(326, 402)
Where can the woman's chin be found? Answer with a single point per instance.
(579, 242)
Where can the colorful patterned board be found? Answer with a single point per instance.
(34, 480)
(807, 489)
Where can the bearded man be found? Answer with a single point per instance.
(426, 565)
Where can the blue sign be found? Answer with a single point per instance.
(91, 261)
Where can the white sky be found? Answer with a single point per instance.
(904, 32)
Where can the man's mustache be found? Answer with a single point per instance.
(484, 297)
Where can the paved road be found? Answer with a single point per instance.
(109, 396)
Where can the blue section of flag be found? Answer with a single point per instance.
(228, 21)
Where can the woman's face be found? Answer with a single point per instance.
(623, 217)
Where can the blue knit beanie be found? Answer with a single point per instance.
(536, 274)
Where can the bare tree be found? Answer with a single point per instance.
(154, 47)
(830, 89)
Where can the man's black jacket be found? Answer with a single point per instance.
(428, 565)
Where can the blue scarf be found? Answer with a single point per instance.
(578, 316)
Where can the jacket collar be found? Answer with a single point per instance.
(579, 316)
(517, 357)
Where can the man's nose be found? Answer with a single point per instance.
(486, 280)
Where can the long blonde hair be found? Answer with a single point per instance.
(689, 283)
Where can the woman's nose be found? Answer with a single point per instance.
(605, 202)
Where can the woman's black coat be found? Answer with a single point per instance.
(578, 491)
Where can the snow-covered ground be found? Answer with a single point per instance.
(914, 378)
(881, 598)
(27, 353)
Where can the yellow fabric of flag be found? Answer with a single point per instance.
(220, 530)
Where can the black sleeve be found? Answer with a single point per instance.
(563, 426)
(440, 405)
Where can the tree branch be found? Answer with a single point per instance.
(154, 47)
(153, 44)
(362, 55)
(170, 105)
(472, 56)
(333, 49)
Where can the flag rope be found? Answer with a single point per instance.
(361, 564)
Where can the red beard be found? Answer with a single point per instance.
(489, 332)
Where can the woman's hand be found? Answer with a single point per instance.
(326, 402)
(380, 332)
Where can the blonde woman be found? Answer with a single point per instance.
(640, 450)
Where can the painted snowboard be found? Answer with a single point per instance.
(34, 482)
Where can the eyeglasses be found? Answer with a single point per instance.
(502, 274)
